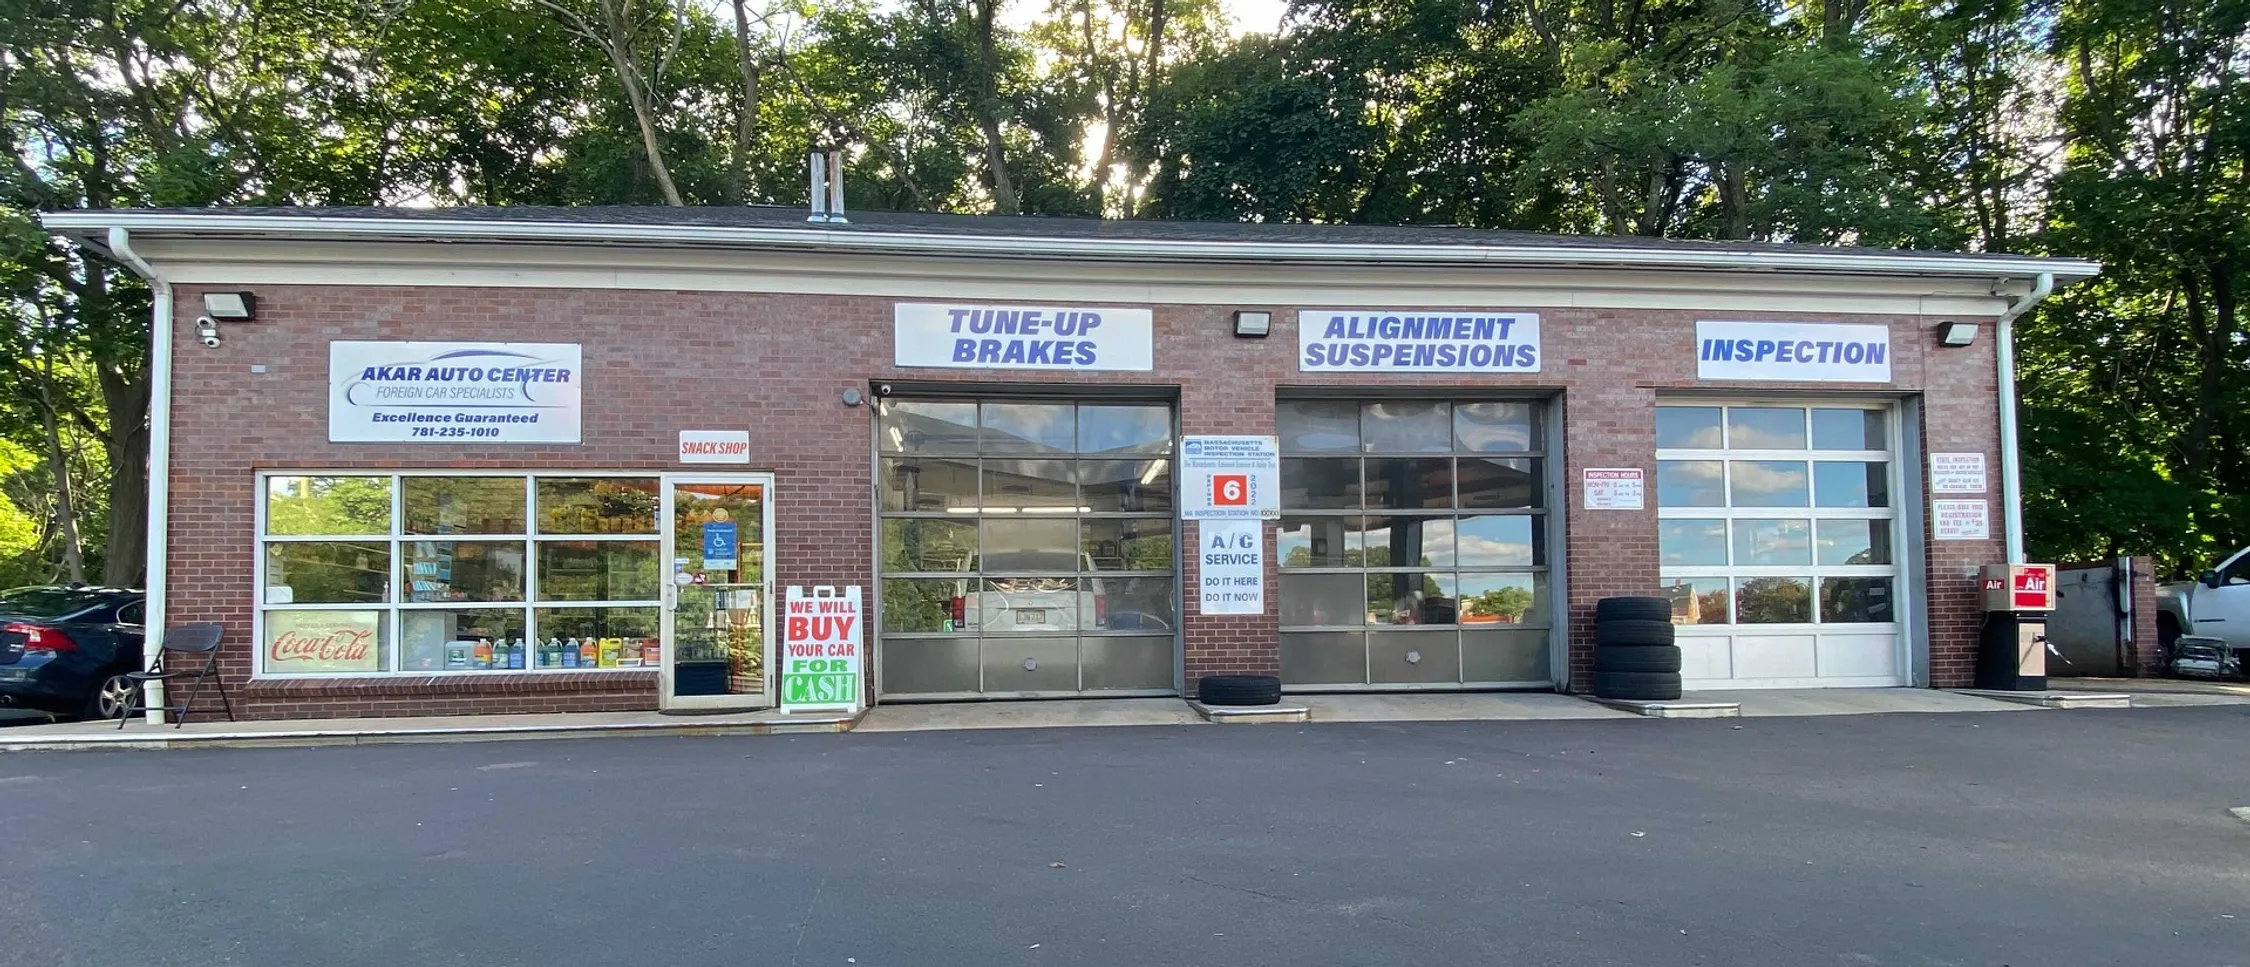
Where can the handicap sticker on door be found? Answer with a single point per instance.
(719, 548)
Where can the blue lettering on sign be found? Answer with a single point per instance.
(1799, 351)
(1025, 326)
(1419, 343)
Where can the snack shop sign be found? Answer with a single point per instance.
(454, 392)
(821, 652)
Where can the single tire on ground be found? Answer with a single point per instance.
(1633, 609)
(1632, 632)
(1238, 690)
(1638, 658)
(1638, 686)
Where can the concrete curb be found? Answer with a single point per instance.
(1674, 709)
(308, 738)
(1251, 714)
(2053, 699)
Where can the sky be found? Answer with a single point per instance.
(1246, 16)
(1254, 16)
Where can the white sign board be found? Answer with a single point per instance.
(1024, 337)
(714, 446)
(1810, 352)
(1957, 473)
(1618, 488)
(1416, 341)
(453, 392)
(821, 652)
(1960, 520)
(1233, 567)
(1230, 478)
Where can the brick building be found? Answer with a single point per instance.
(444, 464)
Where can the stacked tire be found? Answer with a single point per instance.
(1635, 657)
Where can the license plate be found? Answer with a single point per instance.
(1031, 616)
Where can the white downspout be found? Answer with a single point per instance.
(2011, 467)
(159, 457)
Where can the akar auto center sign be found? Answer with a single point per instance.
(454, 392)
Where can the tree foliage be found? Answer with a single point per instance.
(2108, 129)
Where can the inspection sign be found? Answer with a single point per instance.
(821, 651)
(1230, 478)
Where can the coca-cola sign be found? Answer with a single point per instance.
(323, 641)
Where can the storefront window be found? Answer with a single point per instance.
(448, 568)
(1433, 524)
(1026, 546)
(1772, 514)
(328, 505)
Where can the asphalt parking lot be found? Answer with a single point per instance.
(2038, 838)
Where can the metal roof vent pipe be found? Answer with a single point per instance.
(819, 193)
(828, 188)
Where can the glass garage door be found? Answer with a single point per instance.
(1026, 548)
(1413, 544)
(1777, 535)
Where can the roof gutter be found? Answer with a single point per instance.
(120, 244)
(2011, 465)
(1133, 249)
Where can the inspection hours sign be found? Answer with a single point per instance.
(821, 651)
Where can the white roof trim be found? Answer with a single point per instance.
(1133, 249)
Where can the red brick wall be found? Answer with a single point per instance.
(2145, 653)
(658, 362)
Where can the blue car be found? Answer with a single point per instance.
(66, 649)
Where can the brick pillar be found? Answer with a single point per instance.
(1243, 644)
(2143, 654)
(1610, 552)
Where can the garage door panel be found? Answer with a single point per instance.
(935, 666)
(1859, 656)
(1504, 657)
(1413, 658)
(1126, 663)
(1706, 656)
(1030, 664)
(1323, 657)
(1775, 656)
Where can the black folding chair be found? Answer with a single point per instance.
(195, 639)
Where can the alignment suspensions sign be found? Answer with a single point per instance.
(453, 392)
(1803, 351)
(1024, 337)
(1416, 341)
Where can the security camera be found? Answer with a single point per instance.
(208, 328)
(882, 389)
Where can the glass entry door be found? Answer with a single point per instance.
(717, 592)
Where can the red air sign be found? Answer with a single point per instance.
(2035, 587)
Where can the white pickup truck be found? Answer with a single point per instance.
(2215, 605)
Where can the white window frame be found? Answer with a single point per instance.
(1895, 482)
(395, 609)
